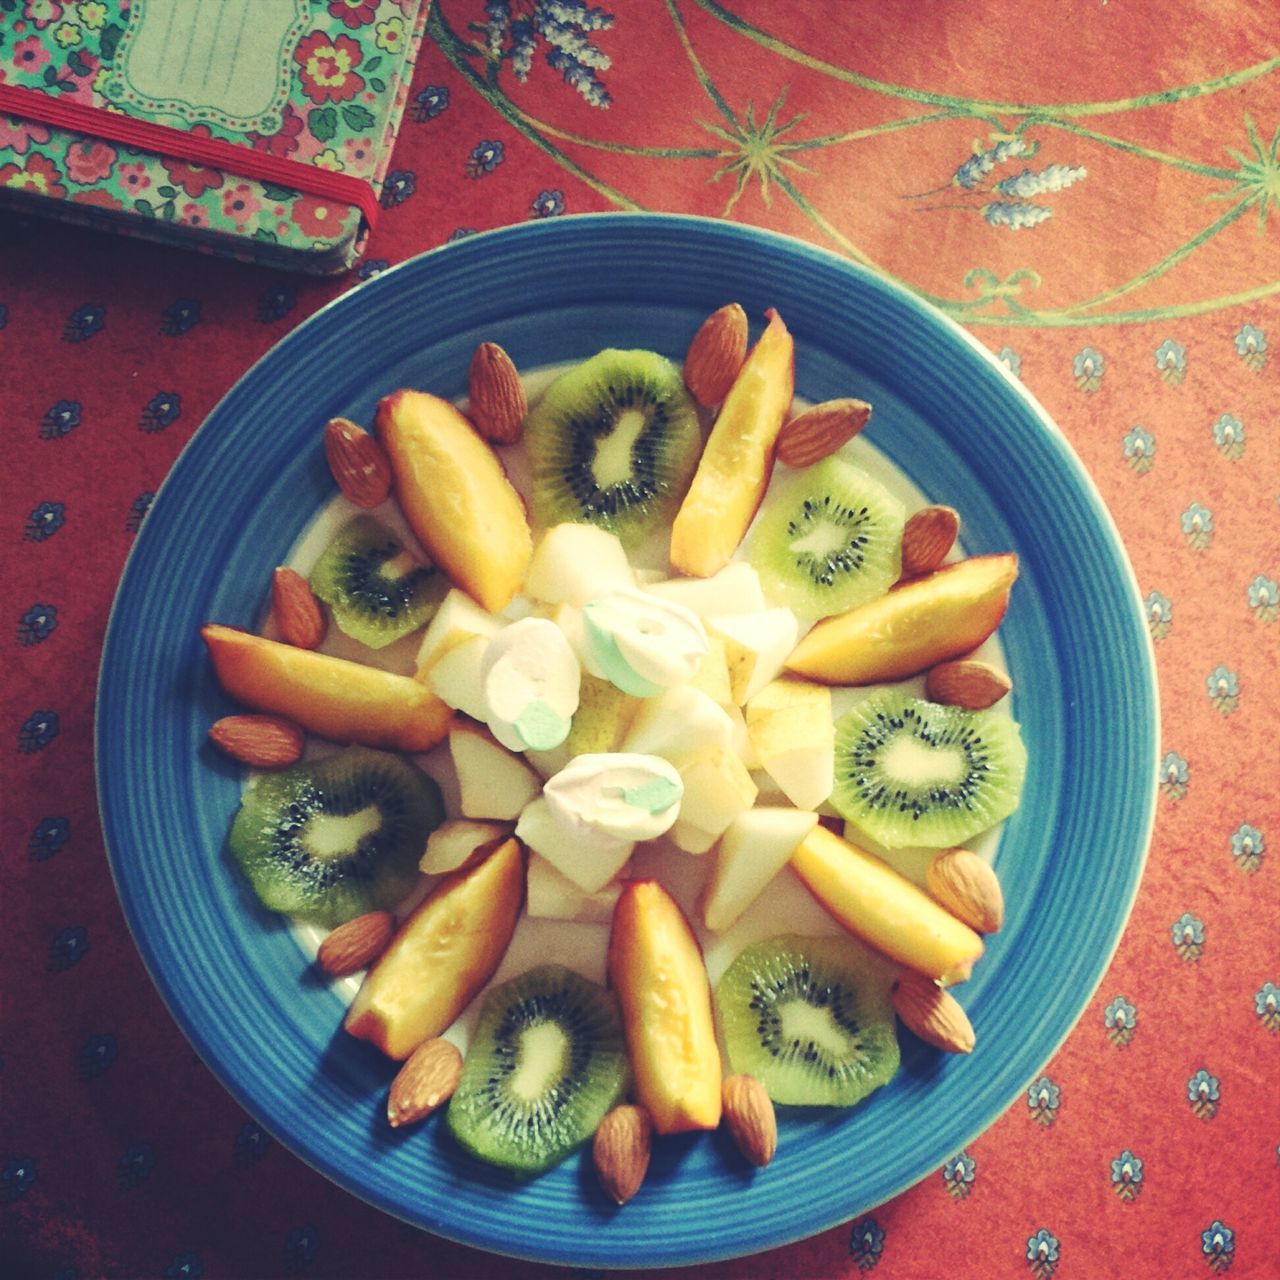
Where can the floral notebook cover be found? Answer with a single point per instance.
(319, 84)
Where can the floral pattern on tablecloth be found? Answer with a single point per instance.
(1150, 1143)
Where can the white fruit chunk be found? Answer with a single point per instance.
(492, 782)
(741, 741)
(624, 796)
(757, 646)
(756, 845)
(717, 788)
(550, 762)
(552, 896)
(457, 619)
(589, 863)
(569, 619)
(455, 677)
(791, 729)
(603, 717)
(518, 609)
(530, 678)
(735, 589)
(678, 723)
(712, 675)
(452, 843)
(574, 562)
(684, 835)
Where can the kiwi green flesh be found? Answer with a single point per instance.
(376, 590)
(547, 1061)
(810, 1018)
(613, 442)
(911, 772)
(331, 839)
(829, 539)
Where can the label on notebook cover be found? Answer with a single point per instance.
(186, 61)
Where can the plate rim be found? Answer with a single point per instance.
(1143, 657)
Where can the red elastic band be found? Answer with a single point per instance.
(216, 153)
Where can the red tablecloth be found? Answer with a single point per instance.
(1101, 205)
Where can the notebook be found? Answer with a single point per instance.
(260, 129)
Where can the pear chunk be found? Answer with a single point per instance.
(573, 563)
(754, 848)
(757, 646)
(457, 619)
(552, 896)
(492, 781)
(791, 729)
(455, 843)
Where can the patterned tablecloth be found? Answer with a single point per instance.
(1092, 188)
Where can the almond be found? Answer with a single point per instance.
(264, 742)
(355, 945)
(966, 683)
(358, 461)
(498, 403)
(297, 612)
(620, 1151)
(427, 1079)
(716, 355)
(820, 430)
(748, 1112)
(932, 1013)
(927, 538)
(968, 888)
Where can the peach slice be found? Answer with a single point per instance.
(341, 700)
(656, 968)
(454, 493)
(738, 458)
(914, 626)
(442, 954)
(885, 909)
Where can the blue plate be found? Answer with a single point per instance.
(945, 411)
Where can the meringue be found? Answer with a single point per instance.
(530, 678)
(621, 795)
(642, 643)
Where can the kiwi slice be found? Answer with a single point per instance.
(828, 540)
(810, 1018)
(547, 1061)
(613, 442)
(331, 839)
(910, 772)
(377, 590)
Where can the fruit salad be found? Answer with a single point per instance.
(653, 658)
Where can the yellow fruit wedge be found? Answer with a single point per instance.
(454, 493)
(885, 909)
(790, 728)
(442, 954)
(340, 700)
(915, 626)
(656, 969)
(738, 458)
